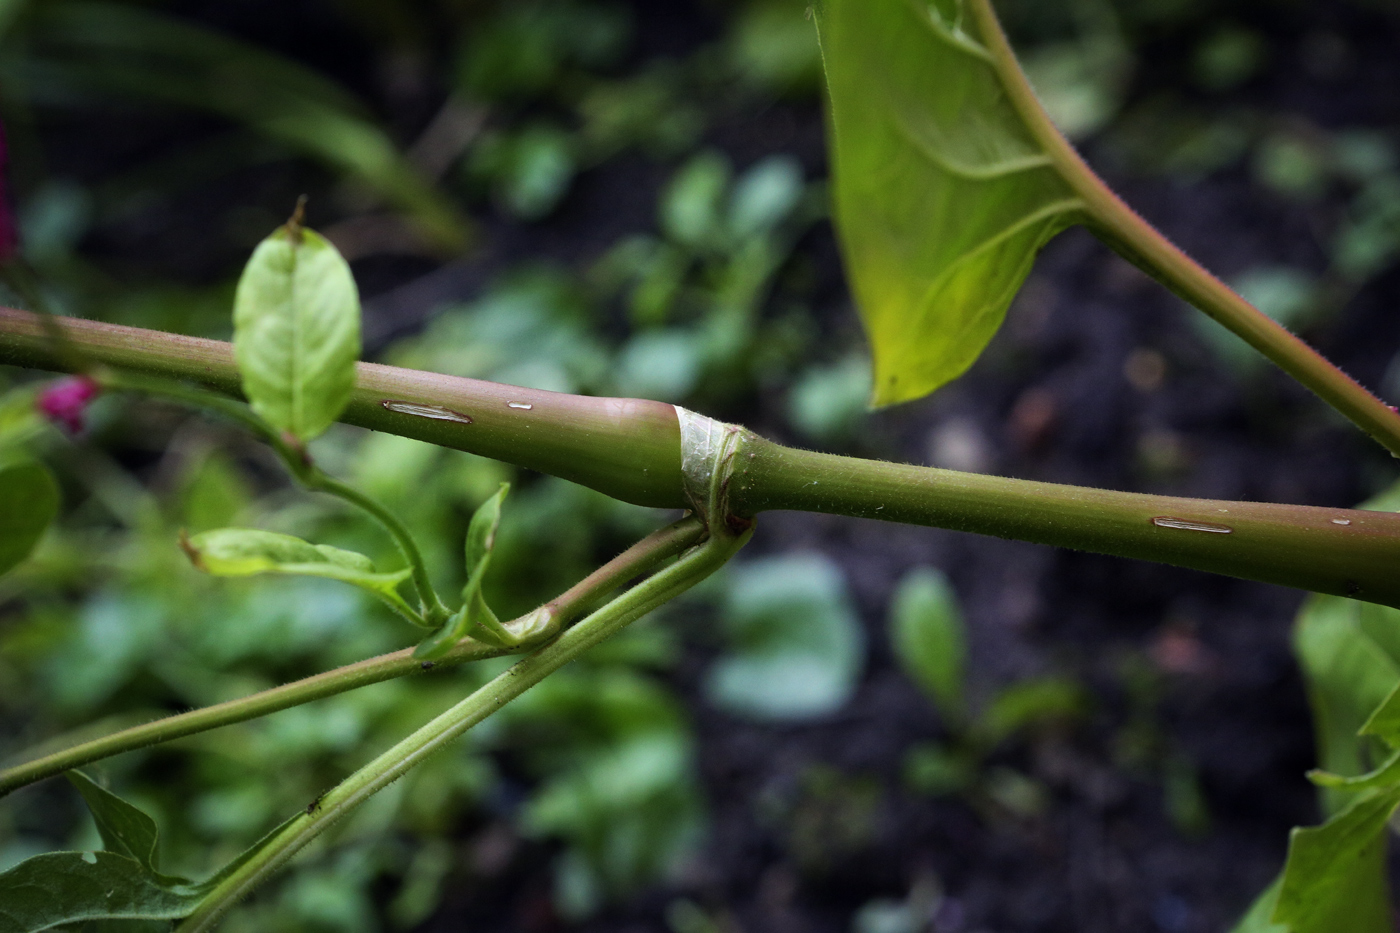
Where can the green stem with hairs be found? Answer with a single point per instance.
(1142, 244)
(630, 449)
(641, 558)
(398, 760)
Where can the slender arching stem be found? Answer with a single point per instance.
(1128, 233)
(300, 465)
(640, 558)
(394, 763)
(433, 609)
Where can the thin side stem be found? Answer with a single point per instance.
(433, 609)
(642, 557)
(397, 761)
(300, 465)
(1142, 244)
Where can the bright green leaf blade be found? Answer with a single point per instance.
(1335, 875)
(245, 552)
(28, 502)
(942, 196)
(929, 638)
(296, 320)
(59, 888)
(796, 648)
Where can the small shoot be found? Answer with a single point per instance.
(475, 618)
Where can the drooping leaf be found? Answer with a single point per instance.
(296, 336)
(245, 552)
(796, 649)
(124, 49)
(942, 195)
(28, 502)
(929, 639)
(475, 617)
(1335, 875)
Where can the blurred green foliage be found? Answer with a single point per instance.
(108, 625)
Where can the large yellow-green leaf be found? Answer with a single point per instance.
(942, 195)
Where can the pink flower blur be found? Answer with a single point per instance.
(64, 402)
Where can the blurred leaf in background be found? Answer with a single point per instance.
(796, 650)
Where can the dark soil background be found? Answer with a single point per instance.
(1051, 401)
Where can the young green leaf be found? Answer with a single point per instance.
(28, 502)
(796, 649)
(296, 331)
(475, 617)
(1335, 875)
(245, 552)
(929, 639)
(942, 195)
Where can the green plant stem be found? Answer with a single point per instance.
(397, 761)
(1143, 245)
(644, 556)
(626, 448)
(1346, 552)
